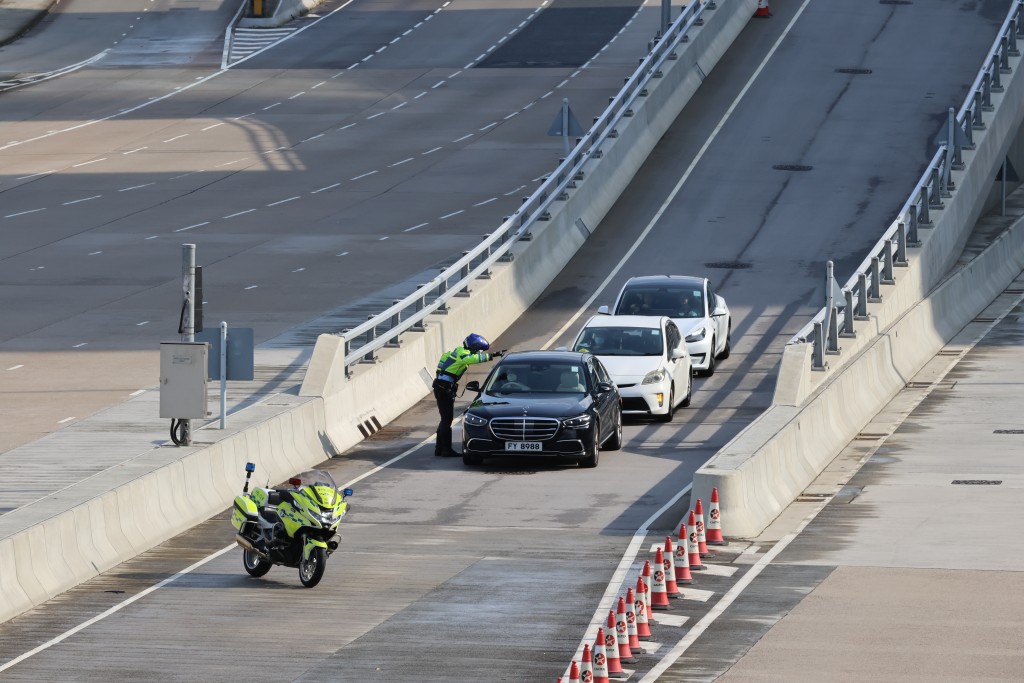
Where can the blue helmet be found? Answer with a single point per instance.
(476, 343)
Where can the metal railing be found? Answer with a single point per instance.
(409, 314)
(890, 252)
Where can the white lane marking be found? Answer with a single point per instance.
(366, 58)
(298, 270)
(213, 126)
(78, 346)
(455, 74)
(420, 95)
(66, 419)
(679, 185)
(487, 201)
(243, 116)
(380, 49)
(22, 213)
(135, 187)
(252, 287)
(35, 175)
(363, 175)
(717, 570)
(318, 85)
(464, 137)
(407, 32)
(373, 116)
(670, 619)
(229, 163)
(348, 69)
(177, 137)
(489, 125)
(144, 322)
(314, 137)
(529, 105)
(86, 199)
(152, 238)
(399, 106)
(136, 393)
(399, 163)
(344, 253)
(416, 227)
(696, 594)
(86, 163)
(515, 113)
(240, 213)
(454, 213)
(346, 127)
(437, 85)
(283, 201)
(547, 94)
(133, 151)
(509, 194)
(16, 367)
(271, 106)
(382, 238)
(431, 151)
(562, 83)
(197, 225)
(94, 253)
(324, 189)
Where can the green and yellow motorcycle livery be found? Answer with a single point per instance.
(296, 527)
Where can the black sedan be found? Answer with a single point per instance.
(546, 403)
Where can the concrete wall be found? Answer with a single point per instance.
(816, 413)
(283, 12)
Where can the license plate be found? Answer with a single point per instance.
(523, 446)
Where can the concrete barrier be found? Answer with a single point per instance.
(284, 11)
(54, 553)
(814, 414)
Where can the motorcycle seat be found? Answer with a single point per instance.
(273, 497)
(270, 515)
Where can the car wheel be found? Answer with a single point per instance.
(670, 413)
(711, 360)
(593, 450)
(254, 564)
(728, 345)
(689, 392)
(471, 460)
(614, 441)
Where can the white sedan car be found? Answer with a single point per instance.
(702, 315)
(646, 358)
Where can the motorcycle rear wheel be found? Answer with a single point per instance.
(254, 564)
(312, 570)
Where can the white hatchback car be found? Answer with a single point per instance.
(702, 315)
(646, 358)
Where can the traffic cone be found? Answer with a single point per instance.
(643, 627)
(574, 673)
(682, 560)
(600, 659)
(702, 546)
(622, 633)
(631, 610)
(586, 666)
(714, 532)
(659, 591)
(611, 646)
(670, 571)
(762, 10)
(691, 543)
(645, 577)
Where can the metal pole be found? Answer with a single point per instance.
(862, 297)
(565, 125)
(1002, 190)
(817, 352)
(950, 149)
(848, 330)
(829, 300)
(832, 347)
(188, 328)
(666, 15)
(223, 375)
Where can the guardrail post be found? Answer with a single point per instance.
(936, 192)
(925, 219)
(912, 238)
(986, 92)
(1004, 55)
(862, 297)
(421, 303)
(1011, 39)
(848, 330)
(371, 335)
(978, 122)
(832, 345)
(817, 353)
(901, 245)
(887, 276)
(486, 275)
(464, 276)
(875, 291)
(346, 346)
(699, 21)
(396, 322)
(442, 289)
(969, 128)
(994, 67)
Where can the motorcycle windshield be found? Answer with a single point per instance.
(322, 487)
(317, 478)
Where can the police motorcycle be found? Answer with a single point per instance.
(294, 527)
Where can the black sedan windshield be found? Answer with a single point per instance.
(526, 377)
(621, 341)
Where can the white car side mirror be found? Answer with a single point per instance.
(602, 310)
(719, 312)
(678, 353)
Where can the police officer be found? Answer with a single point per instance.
(450, 369)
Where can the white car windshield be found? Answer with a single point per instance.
(621, 341)
(537, 377)
(674, 302)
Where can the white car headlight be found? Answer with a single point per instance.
(654, 377)
(475, 420)
(578, 422)
(698, 335)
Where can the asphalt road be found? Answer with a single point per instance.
(449, 574)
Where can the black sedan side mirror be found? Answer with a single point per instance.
(605, 387)
(473, 386)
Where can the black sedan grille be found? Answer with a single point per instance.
(524, 428)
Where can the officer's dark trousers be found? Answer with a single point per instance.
(444, 393)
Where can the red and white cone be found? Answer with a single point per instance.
(670, 570)
(611, 646)
(600, 659)
(659, 591)
(762, 10)
(622, 633)
(647, 576)
(643, 626)
(586, 666)
(714, 531)
(574, 673)
(682, 559)
(702, 545)
(691, 543)
(631, 631)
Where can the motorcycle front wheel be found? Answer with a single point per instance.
(254, 564)
(312, 570)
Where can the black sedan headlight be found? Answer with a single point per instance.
(578, 422)
(475, 420)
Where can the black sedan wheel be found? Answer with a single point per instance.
(593, 450)
(614, 441)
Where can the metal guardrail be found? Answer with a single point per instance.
(40, 77)
(890, 251)
(409, 314)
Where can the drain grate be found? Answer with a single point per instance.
(728, 265)
(984, 320)
(1009, 431)
(792, 167)
(918, 385)
(869, 436)
(812, 497)
(855, 72)
(371, 426)
(978, 482)
(949, 352)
